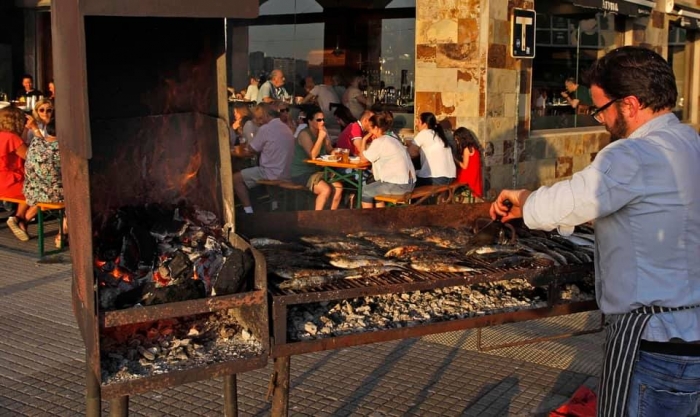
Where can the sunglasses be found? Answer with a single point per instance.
(284, 110)
(45, 110)
(320, 120)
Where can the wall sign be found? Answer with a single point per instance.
(522, 33)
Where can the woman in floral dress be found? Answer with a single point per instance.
(42, 172)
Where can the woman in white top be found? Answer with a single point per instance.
(437, 165)
(353, 98)
(391, 166)
(251, 94)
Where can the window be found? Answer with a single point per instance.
(677, 57)
(566, 48)
(331, 42)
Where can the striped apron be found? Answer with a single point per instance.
(621, 345)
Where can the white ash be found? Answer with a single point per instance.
(172, 345)
(381, 312)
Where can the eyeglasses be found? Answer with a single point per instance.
(45, 110)
(284, 110)
(320, 120)
(597, 115)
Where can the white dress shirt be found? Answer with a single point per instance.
(644, 192)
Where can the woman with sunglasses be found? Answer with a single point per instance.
(42, 172)
(311, 143)
(36, 124)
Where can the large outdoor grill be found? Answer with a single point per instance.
(400, 287)
(142, 117)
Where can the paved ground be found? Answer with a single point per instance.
(42, 363)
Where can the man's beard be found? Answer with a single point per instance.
(618, 130)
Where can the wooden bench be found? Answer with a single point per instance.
(43, 207)
(443, 193)
(281, 190)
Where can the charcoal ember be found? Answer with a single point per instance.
(147, 246)
(188, 289)
(178, 265)
(168, 227)
(234, 272)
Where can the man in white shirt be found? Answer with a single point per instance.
(251, 94)
(643, 192)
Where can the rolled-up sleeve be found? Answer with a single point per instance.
(604, 187)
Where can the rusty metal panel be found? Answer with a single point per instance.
(282, 349)
(170, 379)
(244, 9)
(70, 74)
(287, 225)
(181, 308)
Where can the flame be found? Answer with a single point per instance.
(195, 276)
(120, 275)
(99, 263)
(159, 279)
(192, 169)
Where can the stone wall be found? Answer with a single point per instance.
(464, 73)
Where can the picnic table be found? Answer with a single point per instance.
(348, 172)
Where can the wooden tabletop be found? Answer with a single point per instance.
(333, 164)
(241, 152)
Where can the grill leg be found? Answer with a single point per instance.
(119, 407)
(93, 397)
(280, 396)
(230, 396)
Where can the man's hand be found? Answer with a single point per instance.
(517, 199)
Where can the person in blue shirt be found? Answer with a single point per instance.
(643, 192)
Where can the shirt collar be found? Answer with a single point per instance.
(654, 124)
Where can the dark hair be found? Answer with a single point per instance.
(571, 80)
(343, 113)
(429, 119)
(28, 76)
(51, 128)
(635, 71)
(465, 139)
(312, 111)
(384, 120)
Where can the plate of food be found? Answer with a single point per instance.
(354, 159)
(329, 158)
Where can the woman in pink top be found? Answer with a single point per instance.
(13, 151)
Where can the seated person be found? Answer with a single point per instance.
(28, 89)
(353, 97)
(251, 93)
(42, 172)
(273, 89)
(578, 96)
(351, 136)
(391, 164)
(275, 144)
(437, 165)
(243, 125)
(343, 116)
(37, 122)
(12, 154)
(285, 114)
(324, 96)
(468, 159)
(312, 142)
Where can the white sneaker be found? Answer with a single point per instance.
(13, 224)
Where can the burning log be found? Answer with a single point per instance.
(154, 254)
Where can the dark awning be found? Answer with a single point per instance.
(687, 18)
(632, 8)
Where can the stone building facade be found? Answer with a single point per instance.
(464, 72)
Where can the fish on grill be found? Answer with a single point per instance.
(336, 243)
(261, 242)
(497, 250)
(403, 251)
(360, 261)
(441, 266)
(301, 279)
